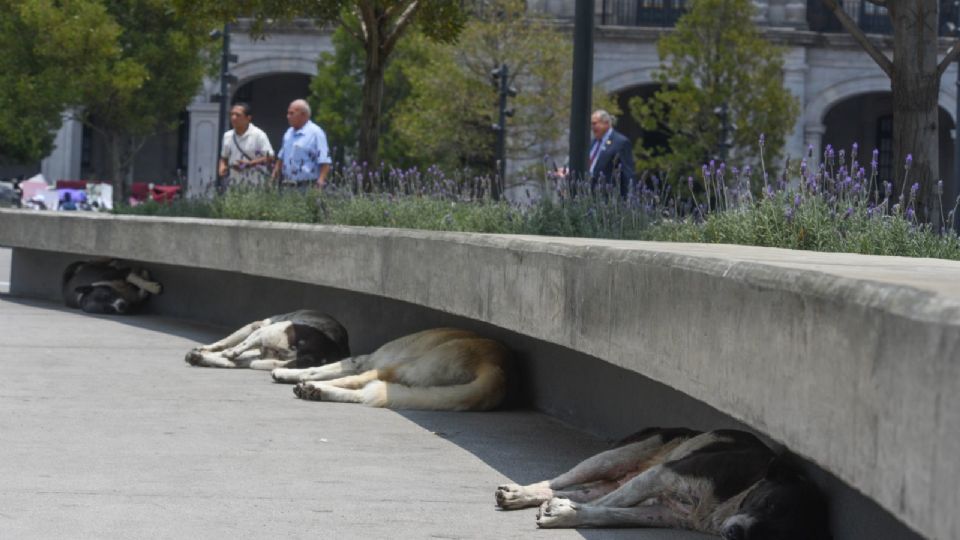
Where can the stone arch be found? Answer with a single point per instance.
(264, 67)
(816, 110)
(628, 79)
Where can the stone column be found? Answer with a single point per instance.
(795, 70)
(761, 8)
(64, 162)
(204, 148)
(795, 14)
(814, 137)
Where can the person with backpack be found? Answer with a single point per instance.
(246, 151)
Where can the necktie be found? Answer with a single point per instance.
(594, 152)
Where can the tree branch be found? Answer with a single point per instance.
(355, 31)
(368, 22)
(403, 21)
(851, 27)
(952, 54)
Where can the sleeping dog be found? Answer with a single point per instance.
(439, 369)
(303, 338)
(107, 286)
(722, 482)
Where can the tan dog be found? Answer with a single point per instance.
(439, 369)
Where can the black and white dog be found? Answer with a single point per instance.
(299, 339)
(724, 482)
(108, 286)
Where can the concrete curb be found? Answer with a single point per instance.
(848, 360)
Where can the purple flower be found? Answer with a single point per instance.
(909, 160)
(810, 150)
(762, 139)
(914, 188)
(911, 214)
(797, 200)
(788, 213)
(848, 213)
(940, 187)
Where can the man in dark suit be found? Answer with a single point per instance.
(611, 154)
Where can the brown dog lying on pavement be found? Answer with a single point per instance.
(438, 369)
(724, 482)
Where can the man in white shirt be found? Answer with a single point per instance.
(246, 152)
(304, 156)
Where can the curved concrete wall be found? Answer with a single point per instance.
(847, 360)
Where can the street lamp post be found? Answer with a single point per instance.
(225, 80)
(582, 86)
(955, 185)
(500, 79)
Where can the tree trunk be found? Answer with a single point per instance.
(916, 85)
(120, 163)
(369, 143)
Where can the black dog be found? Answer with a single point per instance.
(299, 339)
(106, 286)
(722, 482)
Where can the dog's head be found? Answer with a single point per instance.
(316, 347)
(783, 506)
(100, 299)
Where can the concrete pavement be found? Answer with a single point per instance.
(107, 433)
(4, 270)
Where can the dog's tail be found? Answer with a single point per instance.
(484, 392)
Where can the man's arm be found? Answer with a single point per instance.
(626, 159)
(323, 158)
(222, 168)
(324, 171)
(277, 169)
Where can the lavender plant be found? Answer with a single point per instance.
(828, 202)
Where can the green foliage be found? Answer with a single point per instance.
(336, 93)
(805, 219)
(47, 46)
(815, 226)
(379, 25)
(447, 119)
(142, 91)
(715, 57)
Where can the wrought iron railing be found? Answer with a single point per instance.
(870, 17)
(642, 12)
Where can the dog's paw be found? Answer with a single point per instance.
(308, 390)
(557, 513)
(194, 357)
(285, 375)
(515, 496)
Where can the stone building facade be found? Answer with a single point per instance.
(845, 97)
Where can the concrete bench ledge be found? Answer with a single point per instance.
(848, 360)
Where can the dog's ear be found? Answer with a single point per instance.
(83, 289)
(782, 469)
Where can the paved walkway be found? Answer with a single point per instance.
(106, 433)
